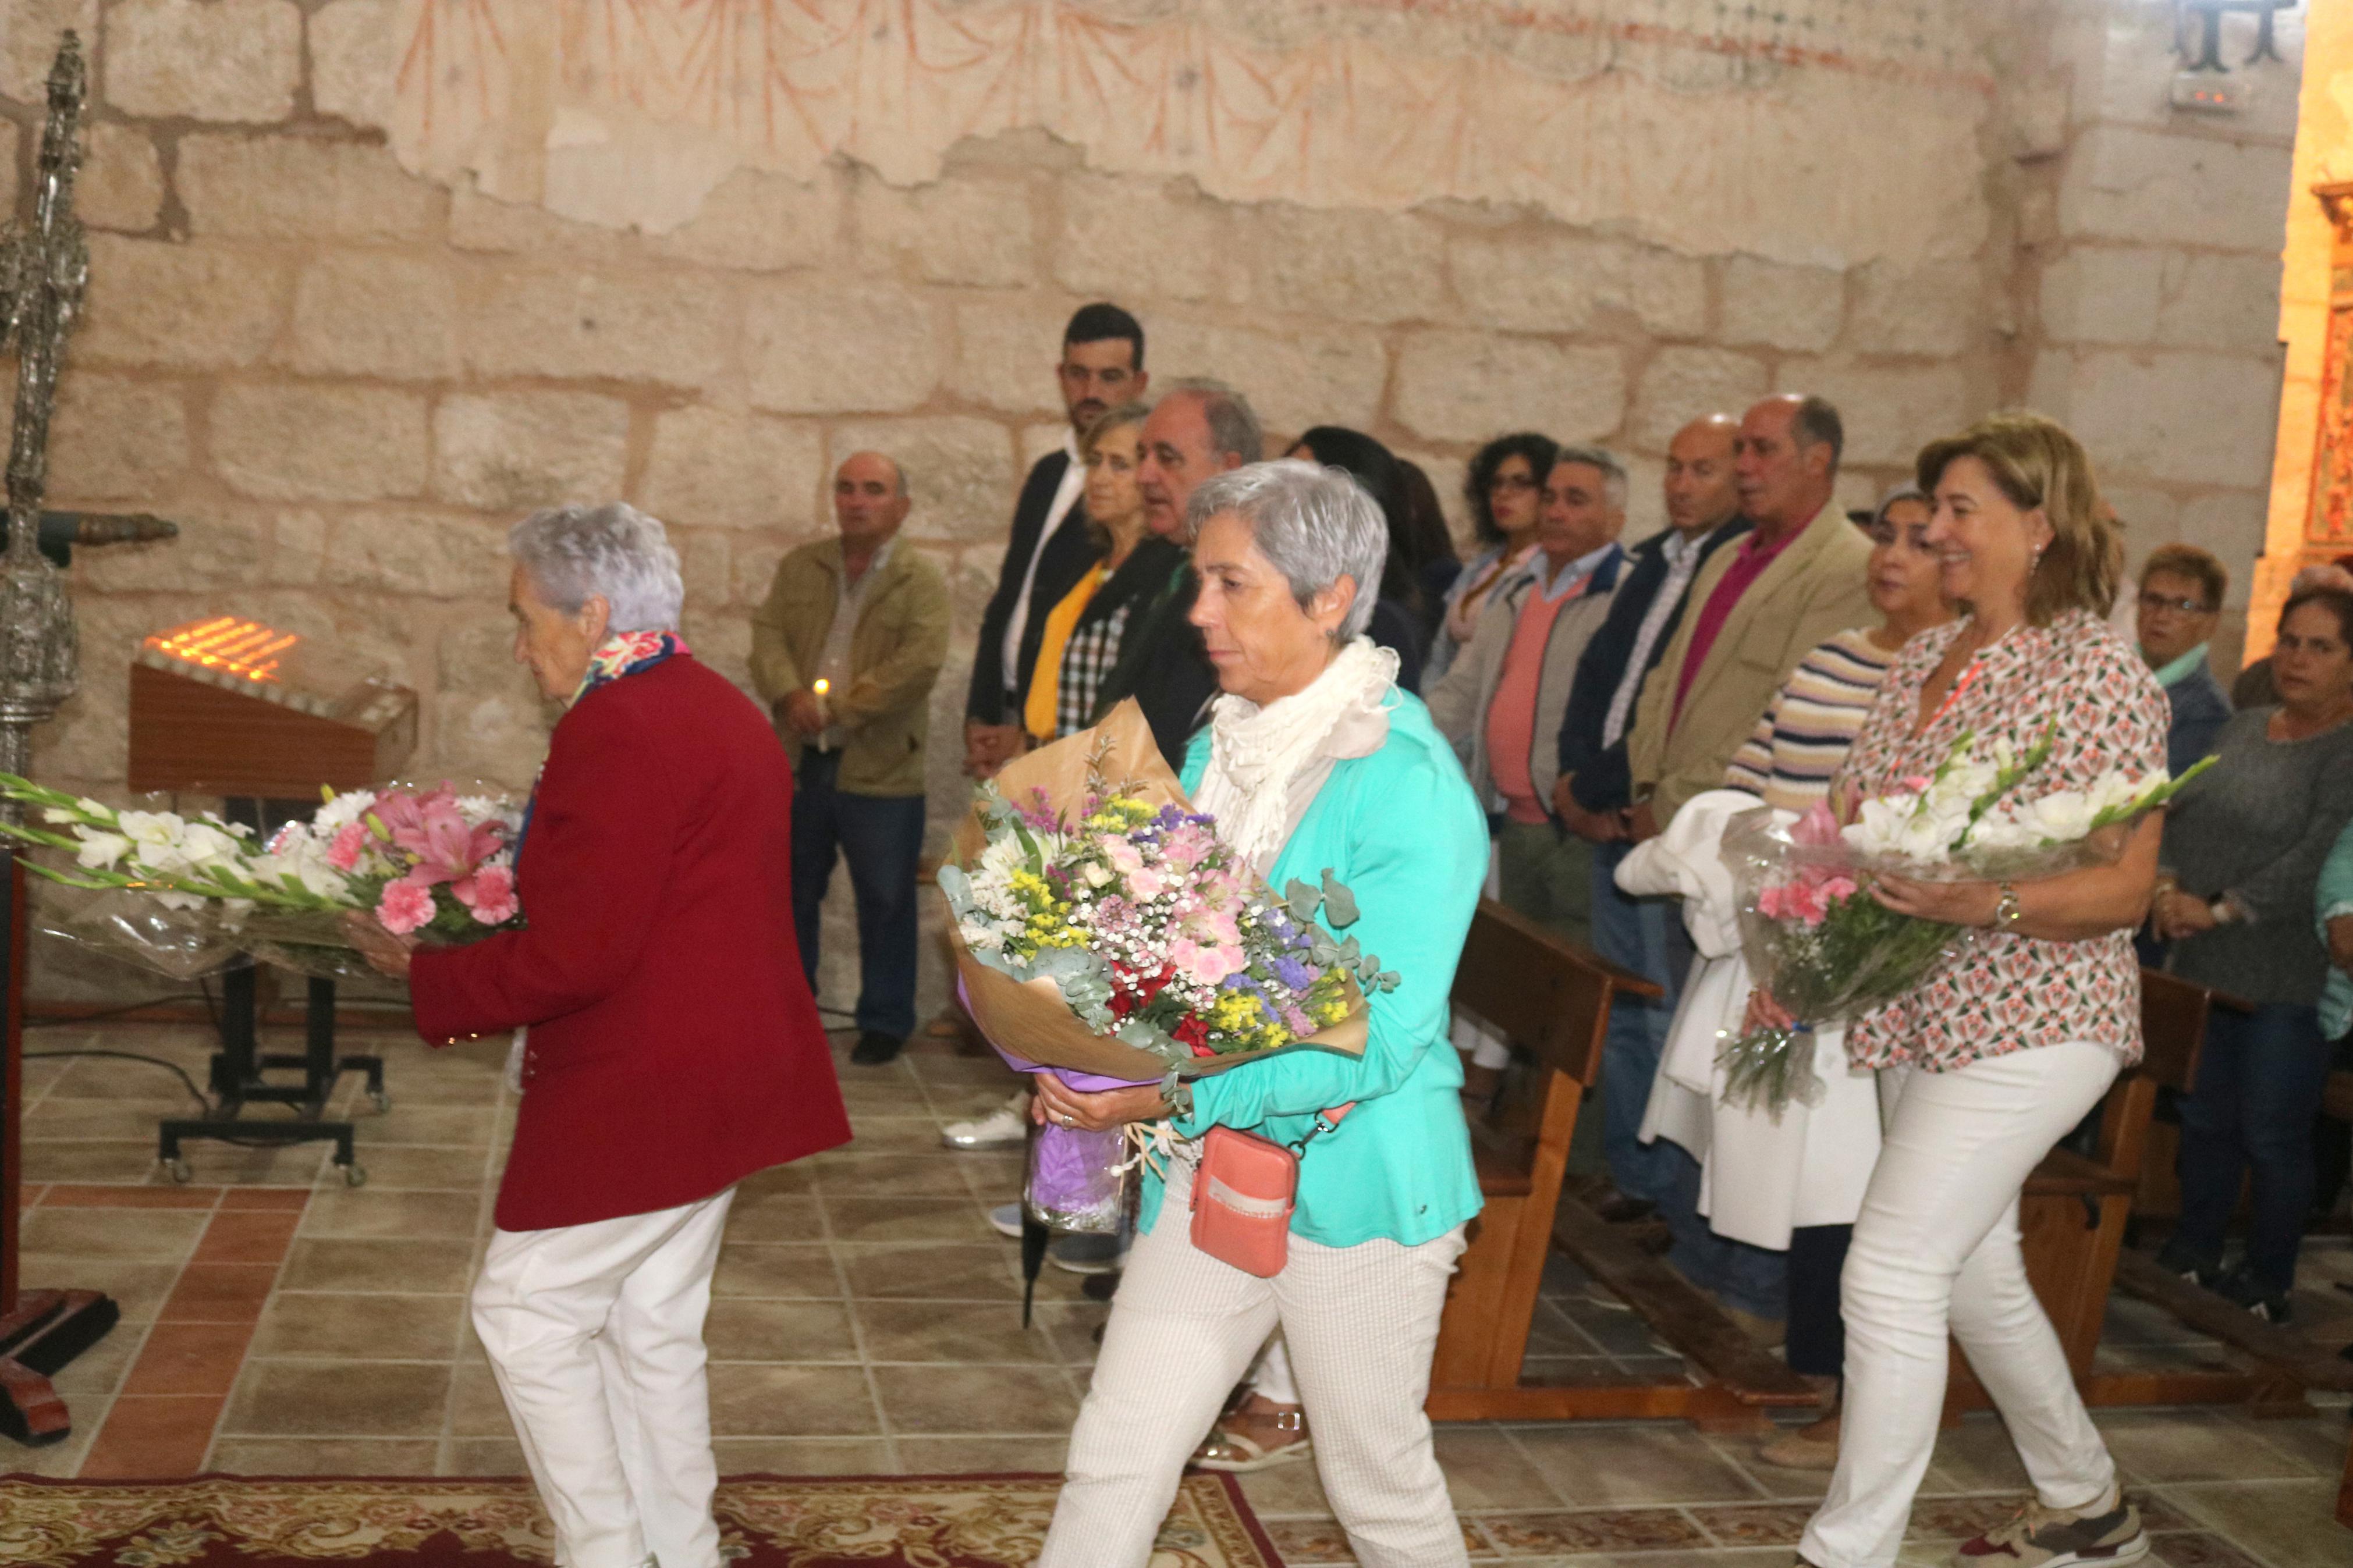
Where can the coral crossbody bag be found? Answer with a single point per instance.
(1243, 1194)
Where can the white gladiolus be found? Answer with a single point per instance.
(208, 849)
(102, 851)
(342, 811)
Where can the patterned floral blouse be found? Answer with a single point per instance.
(2002, 992)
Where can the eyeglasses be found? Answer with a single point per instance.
(2153, 602)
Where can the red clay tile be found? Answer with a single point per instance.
(154, 1436)
(247, 1237)
(279, 1198)
(219, 1293)
(92, 1195)
(189, 1358)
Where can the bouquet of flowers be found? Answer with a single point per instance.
(433, 862)
(1828, 951)
(1104, 932)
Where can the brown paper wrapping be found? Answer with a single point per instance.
(1030, 1019)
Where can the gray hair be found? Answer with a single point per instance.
(1234, 429)
(1315, 524)
(572, 553)
(1613, 472)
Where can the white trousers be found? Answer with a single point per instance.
(596, 1334)
(1937, 1248)
(1360, 1323)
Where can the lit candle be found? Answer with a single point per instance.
(820, 688)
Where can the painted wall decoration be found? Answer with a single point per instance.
(629, 112)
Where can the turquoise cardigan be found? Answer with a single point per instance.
(2336, 898)
(1402, 830)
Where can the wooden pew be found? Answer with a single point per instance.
(1553, 1000)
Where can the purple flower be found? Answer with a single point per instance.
(1292, 974)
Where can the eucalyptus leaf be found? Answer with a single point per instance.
(1339, 904)
(1301, 900)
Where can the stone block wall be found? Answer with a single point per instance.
(2149, 266)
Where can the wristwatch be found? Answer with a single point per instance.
(2006, 913)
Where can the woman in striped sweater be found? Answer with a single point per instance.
(1802, 738)
(1792, 1181)
(1798, 744)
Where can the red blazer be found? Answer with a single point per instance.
(674, 1048)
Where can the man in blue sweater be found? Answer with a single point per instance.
(1595, 788)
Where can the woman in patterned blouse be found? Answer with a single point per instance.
(2006, 1043)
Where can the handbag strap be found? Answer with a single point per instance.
(1325, 1122)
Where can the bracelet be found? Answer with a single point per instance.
(2006, 913)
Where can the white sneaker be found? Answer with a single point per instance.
(1008, 1124)
(1006, 1220)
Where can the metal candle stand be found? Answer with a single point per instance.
(238, 1069)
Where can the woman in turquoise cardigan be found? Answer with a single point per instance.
(1314, 761)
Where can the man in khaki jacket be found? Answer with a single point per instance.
(845, 649)
(1755, 609)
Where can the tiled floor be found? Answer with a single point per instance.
(277, 1320)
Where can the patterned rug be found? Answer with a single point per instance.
(766, 1521)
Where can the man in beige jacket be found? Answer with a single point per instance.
(1755, 609)
(844, 650)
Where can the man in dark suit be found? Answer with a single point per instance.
(1595, 786)
(1050, 550)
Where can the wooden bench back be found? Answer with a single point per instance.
(2173, 1030)
(1546, 995)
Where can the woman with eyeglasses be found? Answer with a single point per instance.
(2240, 872)
(1505, 489)
(2181, 589)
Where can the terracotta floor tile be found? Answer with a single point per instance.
(982, 1455)
(944, 1272)
(936, 1332)
(763, 1270)
(387, 1328)
(753, 1401)
(415, 1167)
(1631, 1466)
(806, 1456)
(248, 1236)
(323, 1456)
(969, 1400)
(476, 1409)
(132, 1235)
(126, 1163)
(434, 1266)
(219, 1293)
(154, 1436)
(906, 1219)
(776, 1216)
(270, 1198)
(745, 1328)
(341, 1399)
(481, 1457)
(189, 1358)
(75, 1195)
(365, 1213)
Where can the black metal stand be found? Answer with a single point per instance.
(237, 1069)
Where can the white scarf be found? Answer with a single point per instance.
(1267, 764)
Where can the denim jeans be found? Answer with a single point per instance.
(881, 837)
(1633, 932)
(2259, 1080)
(1741, 1275)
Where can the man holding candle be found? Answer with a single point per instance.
(844, 650)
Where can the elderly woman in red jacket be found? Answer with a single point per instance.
(672, 1046)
